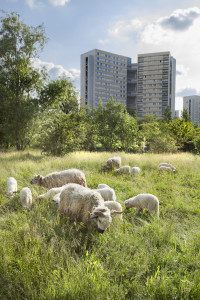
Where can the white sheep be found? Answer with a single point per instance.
(52, 192)
(142, 201)
(102, 186)
(165, 168)
(107, 194)
(56, 198)
(112, 163)
(135, 171)
(124, 170)
(57, 179)
(114, 206)
(82, 204)
(26, 197)
(11, 186)
(167, 165)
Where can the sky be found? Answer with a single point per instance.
(125, 27)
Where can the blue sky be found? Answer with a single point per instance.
(126, 27)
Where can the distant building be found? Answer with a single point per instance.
(178, 113)
(103, 75)
(147, 86)
(155, 84)
(192, 104)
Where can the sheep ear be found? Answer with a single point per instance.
(116, 212)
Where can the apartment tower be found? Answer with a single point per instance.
(192, 104)
(103, 75)
(155, 84)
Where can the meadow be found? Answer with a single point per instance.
(42, 257)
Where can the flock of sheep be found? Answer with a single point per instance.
(91, 206)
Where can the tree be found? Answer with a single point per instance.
(185, 115)
(19, 81)
(167, 116)
(60, 94)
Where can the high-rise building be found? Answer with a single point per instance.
(192, 104)
(155, 83)
(103, 75)
(147, 86)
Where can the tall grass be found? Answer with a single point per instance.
(141, 258)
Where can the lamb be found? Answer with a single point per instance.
(142, 201)
(112, 163)
(167, 165)
(102, 186)
(52, 192)
(82, 204)
(135, 171)
(165, 168)
(124, 170)
(107, 194)
(57, 179)
(26, 198)
(11, 186)
(114, 206)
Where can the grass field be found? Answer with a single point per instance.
(141, 258)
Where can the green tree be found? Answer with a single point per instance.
(185, 115)
(60, 94)
(19, 81)
(167, 116)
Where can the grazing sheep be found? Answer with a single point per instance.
(26, 197)
(56, 198)
(124, 170)
(165, 168)
(52, 192)
(142, 201)
(167, 165)
(57, 179)
(82, 204)
(102, 186)
(135, 171)
(112, 163)
(11, 186)
(107, 194)
(116, 206)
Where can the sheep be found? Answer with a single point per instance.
(52, 192)
(102, 186)
(112, 163)
(56, 198)
(142, 201)
(167, 165)
(26, 198)
(57, 179)
(11, 186)
(165, 168)
(107, 194)
(135, 171)
(124, 170)
(116, 206)
(82, 204)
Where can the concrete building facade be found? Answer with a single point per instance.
(103, 75)
(147, 86)
(192, 104)
(155, 84)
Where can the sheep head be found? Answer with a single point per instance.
(103, 218)
(36, 179)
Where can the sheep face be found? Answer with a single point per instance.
(36, 179)
(103, 218)
(129, 204)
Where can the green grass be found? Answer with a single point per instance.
(141, 258)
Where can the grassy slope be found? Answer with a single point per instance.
(143, 258)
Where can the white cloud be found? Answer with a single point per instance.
(38, 3)
(58, 2)
(56, 71)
